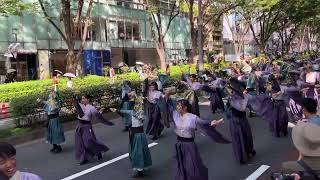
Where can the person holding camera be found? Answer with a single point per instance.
(306, 139)
(309, 109)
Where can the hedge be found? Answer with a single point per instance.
(22, 95)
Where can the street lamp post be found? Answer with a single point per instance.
(15, 33)
(122, 36)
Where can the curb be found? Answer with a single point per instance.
(40, 132)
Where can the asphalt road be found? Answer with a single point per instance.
(35, 156)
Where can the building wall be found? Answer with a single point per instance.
(37, 36)
(34, 32)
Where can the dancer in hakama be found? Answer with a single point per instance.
(240, 129)
(188, 164)
(154, 127)
(192, 94)
(278, 118)
(55, 133)
(251, 89)
(126, 104)
(214, 88)
(139, 153)
(311, 80)
(86, 144)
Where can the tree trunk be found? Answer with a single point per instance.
(262, 48)
(162, 54)
(193, 33)
(200, 37)
(71, 62)
(194, 46)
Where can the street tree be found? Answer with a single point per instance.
(75, 20)
(205, 17)
(160, 28)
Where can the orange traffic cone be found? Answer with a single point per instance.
(4, 111)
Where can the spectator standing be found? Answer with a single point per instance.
(8, 165)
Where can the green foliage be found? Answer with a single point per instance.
(22, 96)
(16, 7)
(12, 132)
(184, 7)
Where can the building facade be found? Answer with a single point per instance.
(120, 32)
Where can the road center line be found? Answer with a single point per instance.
(258, 172)
(101, 165)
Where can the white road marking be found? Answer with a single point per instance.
(206, 103)
(101, 165)
(258, 172)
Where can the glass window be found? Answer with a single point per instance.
(121, 30)
(128, 30)
(136, 31)
(95, 30)
(113, 30)
(2, 67)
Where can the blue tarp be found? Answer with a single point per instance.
(94, 60)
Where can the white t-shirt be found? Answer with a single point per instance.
(311, 77)
(69, 84)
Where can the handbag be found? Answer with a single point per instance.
(309, 170)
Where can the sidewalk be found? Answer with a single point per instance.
(40, 132)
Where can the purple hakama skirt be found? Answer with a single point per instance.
(188, 164)
(216, 101)
(86, 144)
(154, 126)
(279, 118)
(242, 141)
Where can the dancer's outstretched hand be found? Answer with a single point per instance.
(113, 109)
(217, 122)
(101, 110)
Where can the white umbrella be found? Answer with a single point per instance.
(11, 70)
(140, 63)
(69, 75)
(58, 71)
(121, 64)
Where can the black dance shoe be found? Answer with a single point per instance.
(53, 149)
(253, 153)
(99, 156)
(154, 138)
(140, 174)
(137, 174)
(126, 129)
(83, 162)
(58, 150)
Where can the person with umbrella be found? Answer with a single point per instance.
(69, 82)
(55, 81)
